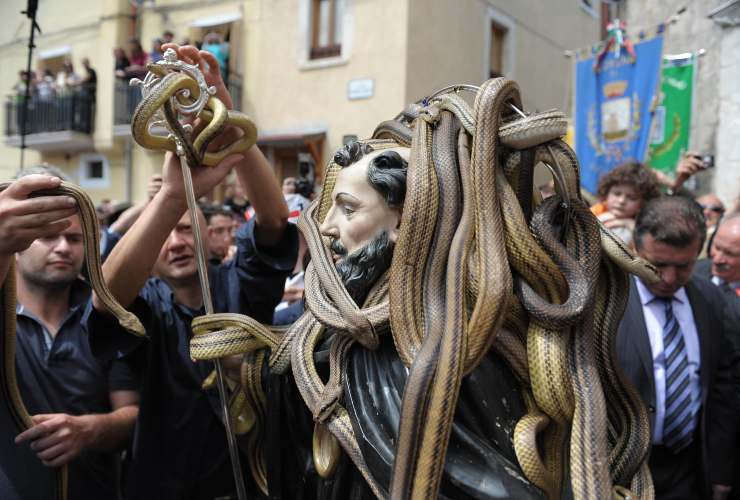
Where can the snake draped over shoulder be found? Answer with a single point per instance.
(91, 243)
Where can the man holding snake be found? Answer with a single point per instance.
(180, 446)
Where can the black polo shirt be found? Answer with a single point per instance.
(60, 375)
(180, 448)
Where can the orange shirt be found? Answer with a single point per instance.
(599, 208)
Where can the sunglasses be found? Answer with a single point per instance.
(713, 208)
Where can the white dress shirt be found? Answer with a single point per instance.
(734, 285)
(654, 311)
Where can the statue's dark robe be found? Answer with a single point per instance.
(480, 458)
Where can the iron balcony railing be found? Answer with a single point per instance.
(125, 102)
(127, 97)
(70, 112)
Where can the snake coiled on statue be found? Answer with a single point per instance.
(481, 262)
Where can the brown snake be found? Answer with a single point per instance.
(91, 242)
(449, 291)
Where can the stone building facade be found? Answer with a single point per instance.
(714, 26)
(312, 73)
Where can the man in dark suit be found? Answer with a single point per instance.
(723, 268)
(670, 346)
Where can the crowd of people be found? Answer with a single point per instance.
(44, 85)
(129, 63)
(132, 63)
(94, 390)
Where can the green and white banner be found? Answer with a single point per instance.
(672, 119)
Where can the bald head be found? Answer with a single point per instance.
(726, 249)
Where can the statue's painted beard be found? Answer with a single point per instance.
(361, 269)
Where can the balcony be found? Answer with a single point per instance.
(59, 123)
(125, 101)
(127, 98)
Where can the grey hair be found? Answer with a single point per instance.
(43, 169)
(674, 220)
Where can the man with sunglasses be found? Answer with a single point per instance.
(713, 209)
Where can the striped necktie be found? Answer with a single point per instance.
(678, 423)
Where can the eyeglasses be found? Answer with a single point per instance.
(714, 208)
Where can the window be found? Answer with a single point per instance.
(93, 172)
(498, 37)
(326, 29)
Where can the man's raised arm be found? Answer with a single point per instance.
(264, 193)
(130, 263)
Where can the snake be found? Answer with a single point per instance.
(91, 244)
(481, 263)
(171, 89)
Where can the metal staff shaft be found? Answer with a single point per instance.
(208, 305)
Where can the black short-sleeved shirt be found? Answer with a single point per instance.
(180, 448)
(60, 375)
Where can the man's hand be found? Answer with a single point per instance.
(230, 254)
(208, 64)
(612, 223)
(293, 293)
(58, 438)
(24, 219)
(689, 164)
(204, 178)
(232, 366)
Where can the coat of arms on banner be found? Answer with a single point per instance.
(614, 92)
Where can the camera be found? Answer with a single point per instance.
(707, 161)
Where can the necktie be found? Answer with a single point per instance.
(678, 423)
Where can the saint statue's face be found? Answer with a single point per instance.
(359, 213)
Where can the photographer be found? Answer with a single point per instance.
(690, 163)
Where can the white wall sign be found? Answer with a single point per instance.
(360, 89)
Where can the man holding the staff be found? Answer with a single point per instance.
(180, 445)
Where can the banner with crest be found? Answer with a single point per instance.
(616, 85)
(672, 122)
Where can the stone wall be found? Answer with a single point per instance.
(693, 31)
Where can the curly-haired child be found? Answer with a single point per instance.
(624, 191)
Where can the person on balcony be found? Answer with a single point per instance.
(156, 54)
(122, 62)
(19, 89)
(89, 82)
(45, 86)
(67, 79)
(138, 59)
(214, 43)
